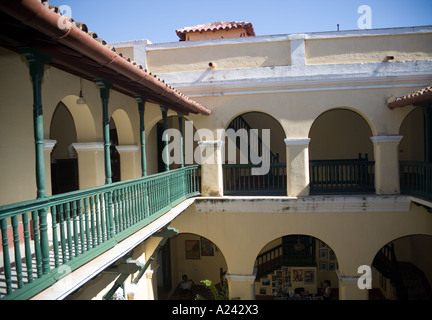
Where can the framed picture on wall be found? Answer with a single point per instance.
(332, 255)
(323, 266)
(309, 276)
(207, 247)
(323, 253)
(192, 248)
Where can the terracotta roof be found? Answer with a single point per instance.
(35, 23)
(414, 98)
(215, 26)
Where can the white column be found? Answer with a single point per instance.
(48, 148)
(128, 169)
(241, 286)
(298, 53)
(386, 164)
(297, 162)
(211, 168)
(349, 289)
(90, 164)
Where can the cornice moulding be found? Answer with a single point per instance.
(310, 204)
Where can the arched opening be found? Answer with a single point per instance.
(402, 270)
(341, 153)
(415, 153)
(192, 255)
(296, 267)
(64, 164)
(114, 154)
(254, 155)
(412, 146)
(155, 150)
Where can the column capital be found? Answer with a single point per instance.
(241, 277)
(88, 146)
(127, 148)
(386, 139)
(140, 99)
(49, 144)
(347, 279)
(297, 141)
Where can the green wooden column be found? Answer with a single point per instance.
(180, 120)
(164, 135)
(141, 108)
(104, 87)
(37, 61)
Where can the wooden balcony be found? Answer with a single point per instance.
(42, 238)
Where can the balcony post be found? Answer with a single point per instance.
(141, 108)
(37, 61)
(104, 94)
(297, 155)
(386, 164)
(211, 168)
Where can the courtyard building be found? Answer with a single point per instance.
(272, 163)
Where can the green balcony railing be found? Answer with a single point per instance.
(416, 178)
(43, 238)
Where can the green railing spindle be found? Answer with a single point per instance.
(84, 224)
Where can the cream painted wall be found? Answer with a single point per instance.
(247, 55)
(17, 145)
(18, 159)
(369, 49)
(297, 111)
(352, 236)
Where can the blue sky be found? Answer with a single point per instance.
(119, 20)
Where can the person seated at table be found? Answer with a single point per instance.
(298, 293)
(327, 289)
(185, 288)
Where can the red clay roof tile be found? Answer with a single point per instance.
(215, 26)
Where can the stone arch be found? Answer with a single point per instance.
(89, 170)
(196, 256)
(299, 252)
(262, 120)
(123, 126)
(338, 127)
(411, 253)
(154, 144)
(64, 165)
(412, 146)
(83, 119)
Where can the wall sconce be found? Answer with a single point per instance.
(81, 99)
